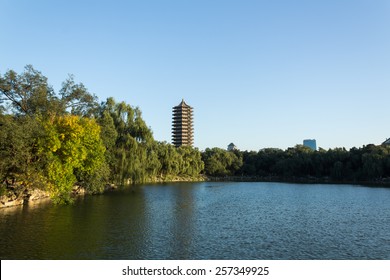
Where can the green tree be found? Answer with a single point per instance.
(191, 161)
(76, 98)
(129, 142)
(28, 93)
(169, 159)
(19, 161)
(373, 160)
(219, 162)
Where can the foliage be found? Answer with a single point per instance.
(77, 99)
(30, 94)
(127, 139)
(57, 141)
(18, 151)
(132, 153)
(41, 145)
(219, 162)
(191, 161)
(370, 162)
(74, 152)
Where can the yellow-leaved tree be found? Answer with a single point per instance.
(74, 153)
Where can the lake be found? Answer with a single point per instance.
(208, 220)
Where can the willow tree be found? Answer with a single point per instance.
(191, 161)
(129, 141)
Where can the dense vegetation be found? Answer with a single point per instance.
(369, 163)
(55, 141)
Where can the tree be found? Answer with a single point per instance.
(28, 93)
(129, 142)
(73, 152)
(374, 161)
(169, 159)
(219, 162)
(191, 161)
(19, 160)
(77, 99)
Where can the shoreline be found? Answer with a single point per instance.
(385, 182)
(19, 196)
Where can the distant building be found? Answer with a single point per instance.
(310, 143)
(182, 129)
(387, 142)
(231, 147)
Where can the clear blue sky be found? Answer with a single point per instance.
(258, 73)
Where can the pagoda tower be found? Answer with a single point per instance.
(182, 128)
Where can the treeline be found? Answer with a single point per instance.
(58, 140)
(369, 163)
(55, 141)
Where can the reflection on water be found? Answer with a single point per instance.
(205, 221)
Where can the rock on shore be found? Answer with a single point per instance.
(20, 196)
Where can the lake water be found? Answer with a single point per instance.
(206, 221)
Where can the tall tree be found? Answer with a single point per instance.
(28, 93)
(126, 134)
(77, 99)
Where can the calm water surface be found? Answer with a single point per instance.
(206, 221)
